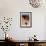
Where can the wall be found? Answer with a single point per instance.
(12, 8)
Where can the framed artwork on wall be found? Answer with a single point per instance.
(26, 19)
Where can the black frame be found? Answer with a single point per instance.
(30, 18)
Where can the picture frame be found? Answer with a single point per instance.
(26, 19)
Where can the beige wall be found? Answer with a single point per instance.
(12, 8)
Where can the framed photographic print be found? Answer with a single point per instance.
(26, 19)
